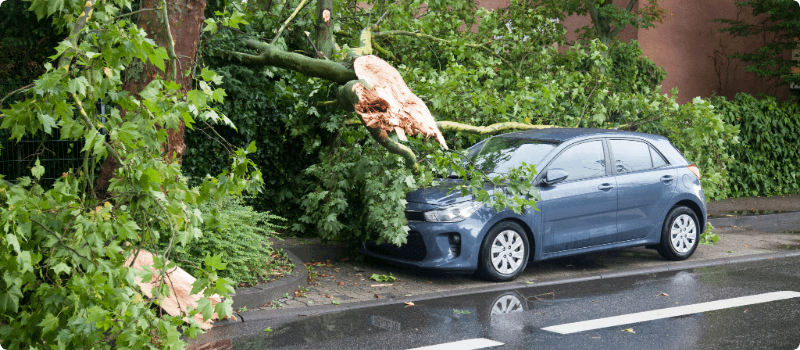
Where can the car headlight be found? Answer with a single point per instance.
(453, 213)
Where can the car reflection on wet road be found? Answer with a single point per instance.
(517, 318)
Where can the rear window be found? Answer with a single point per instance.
(631, 156)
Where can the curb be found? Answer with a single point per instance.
(259, 295)
(312, 250)
(257, 315)
(756, 220)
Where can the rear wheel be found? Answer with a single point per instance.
(504, 252)
(680, 234)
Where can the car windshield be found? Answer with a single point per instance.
(499, 154)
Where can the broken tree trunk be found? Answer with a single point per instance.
(389, 104)
(372, 88)
(179, 300)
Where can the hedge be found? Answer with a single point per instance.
(766, 160)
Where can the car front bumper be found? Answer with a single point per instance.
(429, 245)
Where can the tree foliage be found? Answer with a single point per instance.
(608, 19)
(65, 283)
(769, 137)
(62, 250)
(506, 70)
(778, 23)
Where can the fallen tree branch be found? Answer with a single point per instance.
(88, 8)
(270, 55)
(170, 42)
(364, 44)
(478, 130)
(386, 53)
(491, 129)
(348, 100)
(288, 20)
(22, 89)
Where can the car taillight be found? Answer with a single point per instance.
(695, 170)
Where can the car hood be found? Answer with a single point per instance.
(437, 195)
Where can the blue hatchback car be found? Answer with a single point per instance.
(600, 189)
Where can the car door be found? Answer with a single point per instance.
(646, 185)
(580, 211)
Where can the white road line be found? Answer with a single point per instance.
(669, 312)
(468, 344)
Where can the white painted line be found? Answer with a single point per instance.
(669, 312)
(468, 344)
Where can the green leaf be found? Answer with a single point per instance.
(223, 309)
(12, 240)
(382, 278)
(211, 26)
(251, 148)
(49, 324)
(78, 85)
(37, 170)
(9, 301)
(62, 268)
(205, 308)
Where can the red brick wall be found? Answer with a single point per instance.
(692, 50)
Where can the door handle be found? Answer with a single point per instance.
(605, 186)
(667, 178)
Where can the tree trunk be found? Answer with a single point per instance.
(185, 20)
(325, 42)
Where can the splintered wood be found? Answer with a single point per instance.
(390, 105)
(180, 285)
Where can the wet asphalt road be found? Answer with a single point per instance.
(516, 317)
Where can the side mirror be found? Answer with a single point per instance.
(554, 176)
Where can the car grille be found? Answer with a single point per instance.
(415, 216)
(413, 250)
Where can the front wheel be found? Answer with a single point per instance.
(504, 252)
(679, 235)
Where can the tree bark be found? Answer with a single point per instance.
(185, 20)
(491, 129)
(325, 42)
(270, 55)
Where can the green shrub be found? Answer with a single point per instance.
(699, 131)
(239, 234)
(765, 162)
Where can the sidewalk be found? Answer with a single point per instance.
(342, 283)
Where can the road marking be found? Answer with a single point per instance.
(669, 312)
(468, 344)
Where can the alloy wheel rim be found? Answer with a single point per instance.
(506, 304)
(508, 251)
(683, 233)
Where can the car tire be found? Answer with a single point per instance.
(680, 234)
(504, 252)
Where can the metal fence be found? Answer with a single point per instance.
(18, 157)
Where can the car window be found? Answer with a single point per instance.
(499, 154)
(658, 160)
(630, 156)
(582, 160)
